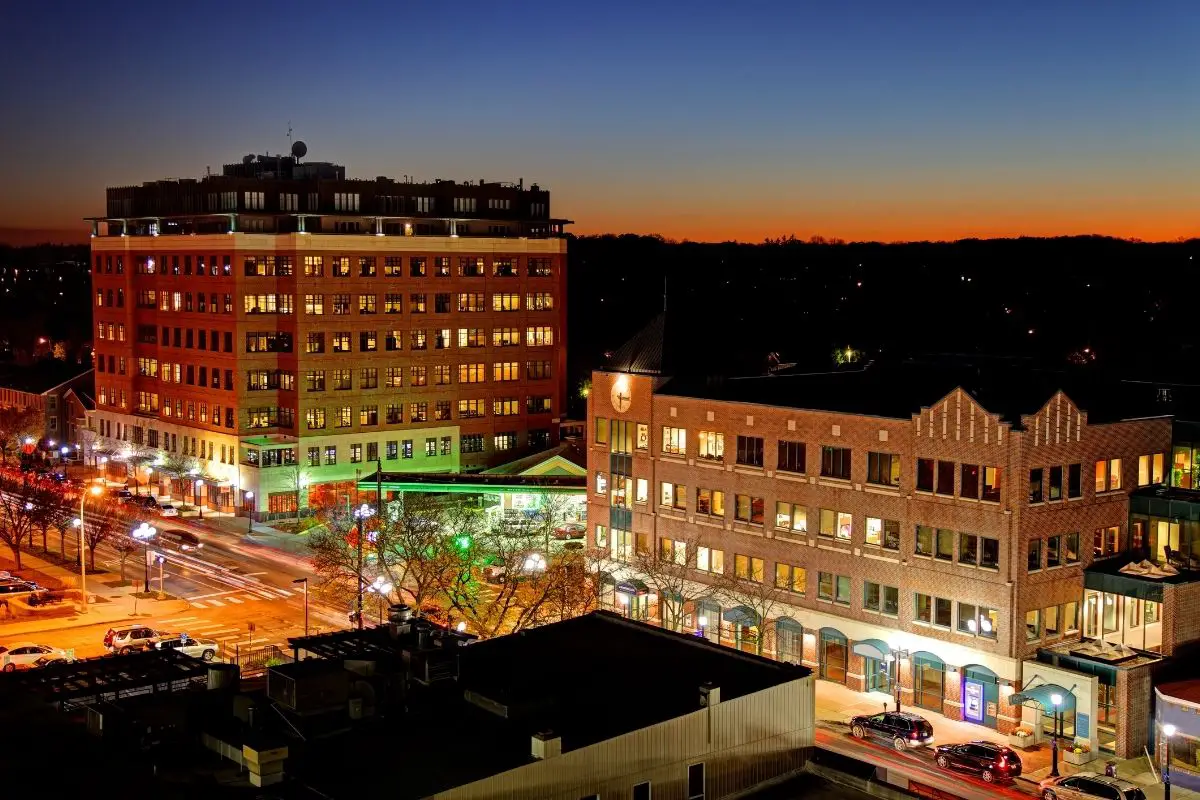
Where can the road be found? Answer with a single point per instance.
(918, 764)
(230, 584)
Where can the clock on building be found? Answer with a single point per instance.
(620, 395)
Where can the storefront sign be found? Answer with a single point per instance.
(1083, 726)
(973, 701)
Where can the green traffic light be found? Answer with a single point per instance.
(463, 542)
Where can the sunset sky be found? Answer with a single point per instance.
(863, 119)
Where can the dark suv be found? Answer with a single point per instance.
(902, 729)
(988, 760)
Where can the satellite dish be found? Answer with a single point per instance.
(248, 159)
(299, 149)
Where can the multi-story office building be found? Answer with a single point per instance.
(284, 325)
(905, 524)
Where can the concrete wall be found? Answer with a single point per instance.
(742, 742)
(1086, 689)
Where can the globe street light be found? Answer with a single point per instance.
(1168, 731)
(380, 587)
(1056, 701)
(250, 513)
(144, 533)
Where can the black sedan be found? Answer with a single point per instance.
(990, 761)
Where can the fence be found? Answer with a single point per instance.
(253, 661)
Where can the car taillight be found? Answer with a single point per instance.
(915, 735)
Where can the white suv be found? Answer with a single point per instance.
(127, 640)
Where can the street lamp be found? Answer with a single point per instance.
(890, 659)
(194, 472)
(380, 587)
(144, 533)
(362, 514)
(78, 523)
(305, 582)
(1056, 701)
(250, 513)
(161, 559)
(1168, 731)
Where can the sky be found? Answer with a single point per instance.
(862, 119)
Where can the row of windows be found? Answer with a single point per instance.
(338, 266)
(883, 469)
(170, 442)
(422, 411)
(418, 303)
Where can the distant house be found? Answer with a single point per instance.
(45, 386)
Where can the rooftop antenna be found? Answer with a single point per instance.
(664, 294)
(289, 134)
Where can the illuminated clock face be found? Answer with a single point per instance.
(620, 396)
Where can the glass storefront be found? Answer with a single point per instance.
(1119, 619)
(929, 681)
(875, 672)
(789, 640)
(834, 653)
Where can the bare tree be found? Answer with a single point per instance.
(747, 586)
(670, 572)
(501, 583)
(574, 586)
(16, 519)
(138, 456)
(105, 521)
(296, 478)
(178, 467)
(17, 425)
(48, 511)
(125, 547)
(417, 544)
(335, 556)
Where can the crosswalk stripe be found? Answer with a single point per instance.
(251, 597)
(281, 592)
(233, 600)
(216, 603)
(207, 627)
(179, 619)
(197, 604)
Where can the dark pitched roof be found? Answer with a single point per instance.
(40, 377)
(1009, 388)
(643, 354)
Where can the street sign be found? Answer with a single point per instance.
(250, 627)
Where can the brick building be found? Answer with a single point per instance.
(924, 524)
(47, 387)
(280, 324)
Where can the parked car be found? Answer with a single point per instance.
(571, 530)
(1088, 785)
(18, 586)
(127, 640)
(122, 495)
(903, 729)
(204, 649)
(51, 658)
(144, 500)
(23, 656)
(184, 540)
(990, 761)
(168, 510)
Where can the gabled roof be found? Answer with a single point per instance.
(84, 397)
(566, 459)
(643, 354)
(42, 377)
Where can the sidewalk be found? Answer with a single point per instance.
(837, 703)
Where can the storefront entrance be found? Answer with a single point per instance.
(929, 681)
(876, 674)
(980, 695)
(833, 652)
(789, 640)
(708, 619)
(633, 599)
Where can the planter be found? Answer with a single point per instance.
(1024, 741)
(1078, 759)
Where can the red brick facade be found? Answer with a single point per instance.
(954, 430)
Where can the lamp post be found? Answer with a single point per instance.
(161, 559)
(102, 463)
(78, 523)
(1168, 731)
(305, 582)
(1056, 701)
(362, 514)
(890, 659)
(144, 533)
(380, 587)
(250, 513)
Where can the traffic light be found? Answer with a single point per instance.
(462, 541)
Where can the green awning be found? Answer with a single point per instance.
(741, 615)
(633, 586)
(1041, 694)
(872, 648)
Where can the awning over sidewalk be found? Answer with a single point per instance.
(872, 648)
(1041, 694)
(633, 586)
(741, 615)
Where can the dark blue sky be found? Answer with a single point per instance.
(861, 119)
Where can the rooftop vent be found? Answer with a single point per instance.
(546, 744)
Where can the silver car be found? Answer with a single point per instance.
(203, 649)
(1089, 786)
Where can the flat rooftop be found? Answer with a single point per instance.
(1188, 691)
(578, 678)
(897, 389)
